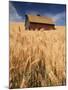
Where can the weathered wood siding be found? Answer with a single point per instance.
(40, 26)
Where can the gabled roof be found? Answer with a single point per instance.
(40, 19)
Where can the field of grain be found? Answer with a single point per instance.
(37, 58)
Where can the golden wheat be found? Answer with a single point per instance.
(37, 58)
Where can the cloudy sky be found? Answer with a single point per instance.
(17, 11)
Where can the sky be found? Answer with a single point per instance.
(18, 10)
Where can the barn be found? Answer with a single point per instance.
(37, 22)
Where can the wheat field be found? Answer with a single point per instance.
(37, 58)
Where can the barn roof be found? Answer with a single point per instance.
(40, 19)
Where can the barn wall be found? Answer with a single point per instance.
(40, 25)
(26, 22)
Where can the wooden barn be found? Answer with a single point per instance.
(38, 22)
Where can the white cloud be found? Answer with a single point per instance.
(13, 15)
(59, 16)
(32, 12)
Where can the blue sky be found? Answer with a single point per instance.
(17, 11)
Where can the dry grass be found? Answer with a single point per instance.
(37, 58)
